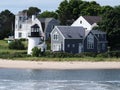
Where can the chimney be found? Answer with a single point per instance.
(33, 17)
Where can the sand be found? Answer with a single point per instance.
(57, 65)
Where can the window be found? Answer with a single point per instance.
(19, 34)
(103, 46)
(80, 22)
(56, 47)
(85, 28)
(73, 45)
(16, 26)
(20, 18)
(32, 30)
(20, 26)
(90, 41)
(55, 36)
(68, 45)
(98, 35)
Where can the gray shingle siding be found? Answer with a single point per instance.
(77, 41)
(73, 45)
(101, 36)
(59, 41)
(99, 40)
(90, 50)
(49, 24)
(50, 27)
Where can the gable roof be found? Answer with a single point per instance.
(35, 26)
(92, 19)
(71, 32)
(45, 21)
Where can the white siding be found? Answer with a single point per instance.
(26, 27)
(83, 23)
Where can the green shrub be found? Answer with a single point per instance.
(81, 55)
(103, 55)
(109, 54)
(64, 54)
(22, 39)
(114, 54)
(58, 54)
(11, 55)
(36, 52)
(17, 45)
(89, 54)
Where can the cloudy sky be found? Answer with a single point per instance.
(51, 5)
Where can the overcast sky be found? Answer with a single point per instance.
(51, 5)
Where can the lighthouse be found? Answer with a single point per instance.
(34, 38)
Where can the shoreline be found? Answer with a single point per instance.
(15, 64)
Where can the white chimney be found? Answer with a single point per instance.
(33, 17)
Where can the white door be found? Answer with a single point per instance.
(80, 47)
(56, 47)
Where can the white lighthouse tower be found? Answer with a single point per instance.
(34, 38)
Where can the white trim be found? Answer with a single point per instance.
(57, 47)
(81, 18)
(55, 36)
(60, 32)
(63, 44)
(53, 30)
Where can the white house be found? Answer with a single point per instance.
(23, 25)
(88, 22)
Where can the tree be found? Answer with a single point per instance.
(36, 52)
(72, 9)
(32, 11)
(17, 45)
(110, 24)
(48, 14)
(6, 23)
(105, 9)
(63, 12)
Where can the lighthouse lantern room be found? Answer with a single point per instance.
(34, 38)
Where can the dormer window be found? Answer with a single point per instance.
(80, 22)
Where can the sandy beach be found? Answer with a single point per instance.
(58, 65)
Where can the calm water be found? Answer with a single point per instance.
(18, 79)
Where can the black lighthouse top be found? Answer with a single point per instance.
(35, 31)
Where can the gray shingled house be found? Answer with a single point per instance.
(74, 39)
(48, 25)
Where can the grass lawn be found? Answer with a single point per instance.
(6, 53)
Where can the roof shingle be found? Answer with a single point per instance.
(92, 19)
(71, 32)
